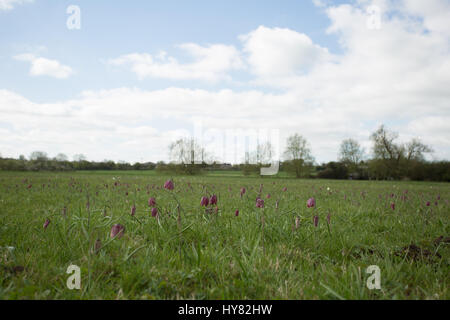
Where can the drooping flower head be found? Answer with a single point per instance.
(393, 206)
(154, 212)
(117, 230)
(204, 202)
(46, 223)
(169, 185)
(213, 199)
(316, 221)
(236, 213)
(243, 191)
(311, 203)
(133, 210)
(259, 203)
(151, 202)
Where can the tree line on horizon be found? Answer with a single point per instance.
(390, 160)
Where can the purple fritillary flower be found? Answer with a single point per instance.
(117, 230)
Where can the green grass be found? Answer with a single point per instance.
(218, 255)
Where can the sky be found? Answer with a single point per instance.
(121, 80)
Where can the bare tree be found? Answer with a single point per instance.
(187, 151)
(298, 155)
(297, 147)
(351, 152)
(384, 146)
(61, 157)
(261, 155)
(264, 153)
(79, 157)
(39, 156)
(415, 150)
(387, 154)
(394, 159)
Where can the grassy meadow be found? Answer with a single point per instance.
(189, 251)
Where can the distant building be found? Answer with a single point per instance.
(225, 166)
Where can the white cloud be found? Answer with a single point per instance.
(281, 52)
(10, 4)
(210, 63)
(45, 67)
(134, 124)
(319, 3)
(434, 13)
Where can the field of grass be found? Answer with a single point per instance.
(192, 252)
